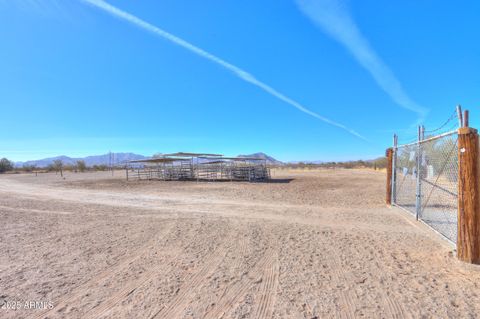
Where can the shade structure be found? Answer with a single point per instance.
(159, 160)
(198, 166)
(192, 154)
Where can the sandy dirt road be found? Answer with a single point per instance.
(313, 244)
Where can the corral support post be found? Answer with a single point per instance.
(389, 155)
(468, 235)
(418, 192)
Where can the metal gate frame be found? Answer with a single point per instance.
(453, 177)
(446, 224)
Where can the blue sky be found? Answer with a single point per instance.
(299, 80)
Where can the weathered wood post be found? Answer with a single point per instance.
(389, 155)
(468, 235)
(394, 169)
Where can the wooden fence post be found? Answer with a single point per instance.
(468, 235)
(389, 155)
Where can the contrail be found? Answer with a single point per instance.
(236, 70)
(334, 19)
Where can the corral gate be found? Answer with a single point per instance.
(425, 181)
(437, 180)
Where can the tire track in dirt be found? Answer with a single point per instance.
(392, 308)
(268, 289)
(174, 262)
(261, 279)
(188, 289)
(346, 296)
(234, 293)
(229, 293)
(242, 250)
(91, 283)
(108, 304)
(396, 309)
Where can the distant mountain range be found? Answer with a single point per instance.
(118, 159)
(89, 160)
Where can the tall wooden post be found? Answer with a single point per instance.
(389, 155)
(468, 235)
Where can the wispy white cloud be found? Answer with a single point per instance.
(242, 74)
(334, 18)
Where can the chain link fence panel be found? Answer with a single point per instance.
(439, 184)
(429, 170)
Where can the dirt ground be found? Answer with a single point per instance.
(311, 244)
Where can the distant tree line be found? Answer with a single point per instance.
(56, 166)
(378, 163)
(79, 166)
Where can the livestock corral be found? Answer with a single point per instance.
(306, 244)
(198, 166)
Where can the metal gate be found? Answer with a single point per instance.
(425, 181)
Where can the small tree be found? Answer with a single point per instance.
(5, 165)
(81, 166)
(58, 165)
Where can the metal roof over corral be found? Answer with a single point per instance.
(174, 157)
(234, 158)
(192, 154)
(213, 162)
(159, 160)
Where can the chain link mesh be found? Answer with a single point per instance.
(439, 184)
(405, 177)
(436, 160)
